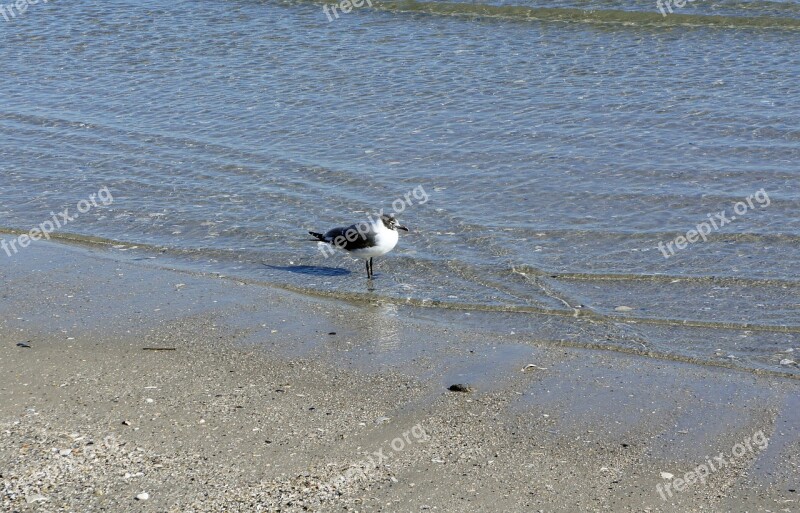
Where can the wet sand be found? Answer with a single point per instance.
(259, 399)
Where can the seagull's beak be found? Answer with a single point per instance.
(401, 227)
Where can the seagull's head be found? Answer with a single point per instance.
(391, 223)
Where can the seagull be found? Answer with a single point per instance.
(364, 240)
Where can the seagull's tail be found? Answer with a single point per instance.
(318, 236)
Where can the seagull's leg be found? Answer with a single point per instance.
(371, 269)
(368, 273)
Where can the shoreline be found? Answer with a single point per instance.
(516, 317)
(267, 398)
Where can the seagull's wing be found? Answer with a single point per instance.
(352, 238)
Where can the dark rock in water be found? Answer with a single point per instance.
(23, 344)
(332, 333)
(460, 388)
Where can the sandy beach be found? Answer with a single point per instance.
(125, 379)
(581, 217)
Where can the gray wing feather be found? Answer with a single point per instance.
(361, 239)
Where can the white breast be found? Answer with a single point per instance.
(386, 241)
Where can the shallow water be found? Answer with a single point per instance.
(555, 156)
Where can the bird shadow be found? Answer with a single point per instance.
(311, 270)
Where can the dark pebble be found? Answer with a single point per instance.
(459, 388)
